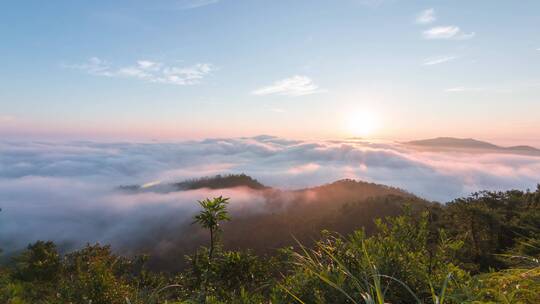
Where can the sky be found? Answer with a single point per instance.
(317, 69)
(97, 94)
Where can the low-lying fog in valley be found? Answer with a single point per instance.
(68, 191)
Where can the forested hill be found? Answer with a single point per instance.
(341, 206)
(213, 182)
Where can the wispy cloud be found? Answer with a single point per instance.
(426, 16)
(438, 60)
(447, 32)
(372, 3)
(147, 70)
(293, 86)
(190, 4)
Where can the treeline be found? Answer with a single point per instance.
(480, 249)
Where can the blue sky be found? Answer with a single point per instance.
(300, 69)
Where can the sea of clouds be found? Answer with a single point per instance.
(67, 191)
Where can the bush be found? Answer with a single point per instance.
(399, 256)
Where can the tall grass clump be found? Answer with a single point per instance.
(518, 284)
(399, 264)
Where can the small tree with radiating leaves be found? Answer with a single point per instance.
(213, 212)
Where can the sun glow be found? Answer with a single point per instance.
(362, 123)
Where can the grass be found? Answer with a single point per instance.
(369, 288)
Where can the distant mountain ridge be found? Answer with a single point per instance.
(471, 144)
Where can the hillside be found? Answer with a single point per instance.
(340, 206)
(478, 249)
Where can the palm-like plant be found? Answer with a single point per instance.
(213, 212)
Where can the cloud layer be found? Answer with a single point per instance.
(66, 191)
(150, 71)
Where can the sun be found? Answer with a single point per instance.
(362, 123)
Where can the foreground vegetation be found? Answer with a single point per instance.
(479, 249)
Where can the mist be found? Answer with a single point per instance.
(67, 192)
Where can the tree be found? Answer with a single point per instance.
(37, 271)
(40, 262)
(95, 275)
(213, 211)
